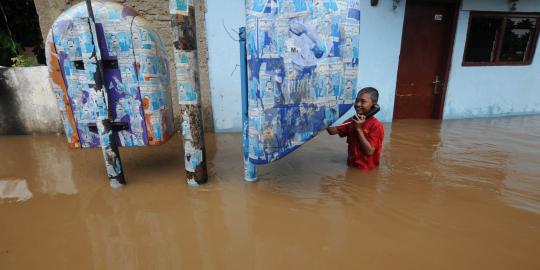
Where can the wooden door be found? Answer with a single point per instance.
(428, 34)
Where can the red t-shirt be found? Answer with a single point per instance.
(374, 133)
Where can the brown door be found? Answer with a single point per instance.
(428, 34)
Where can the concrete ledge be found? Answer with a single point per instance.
(27, 102)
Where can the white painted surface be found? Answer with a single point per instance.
(501, 5)
(488, 91)
(224, 62)
(381, 29)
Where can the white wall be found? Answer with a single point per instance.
(224, 62)
(500, 5)
(491, 90)
(380, 43)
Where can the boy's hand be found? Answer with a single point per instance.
(332, 130)
(358, 120)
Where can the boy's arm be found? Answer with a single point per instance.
(342, 130)
(332, 130)
(365, 145)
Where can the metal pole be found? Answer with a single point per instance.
(103, 114)
(189, 95)
(250, 170)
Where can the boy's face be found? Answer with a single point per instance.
(363, 103)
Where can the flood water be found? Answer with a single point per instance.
(448, 195)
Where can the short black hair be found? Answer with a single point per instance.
(373, 93)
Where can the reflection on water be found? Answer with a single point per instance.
(14, 190)
(448, 195)
(54, 168)
(498, 154)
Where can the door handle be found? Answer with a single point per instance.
(436, 85)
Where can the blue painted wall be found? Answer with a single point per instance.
(494, 90)
(500, 5)
(380, 42)
(224, 61)
(471, 92)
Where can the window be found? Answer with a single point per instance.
(501, 39)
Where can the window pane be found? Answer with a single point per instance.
(517, 37)
(482, 39)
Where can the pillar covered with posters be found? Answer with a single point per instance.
(187, 82)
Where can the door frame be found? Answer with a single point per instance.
(438, 114)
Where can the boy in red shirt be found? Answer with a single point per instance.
(364, 134)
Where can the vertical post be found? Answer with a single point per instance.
(187, 83)
(250, 170)
(103, 115)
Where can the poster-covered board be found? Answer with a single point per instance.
(302, 69)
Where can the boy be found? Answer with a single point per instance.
(364, 135)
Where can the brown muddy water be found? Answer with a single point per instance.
(450, 195)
